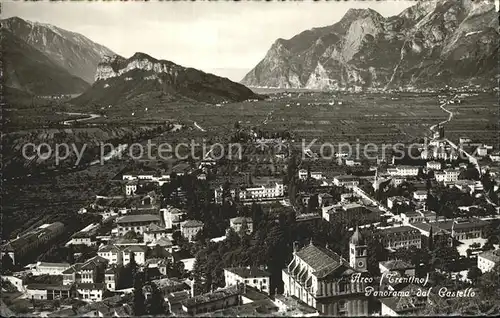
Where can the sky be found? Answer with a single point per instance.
(225, 38)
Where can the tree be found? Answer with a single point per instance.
(473, 274)
(312, 204)
(156, 302)
(138, 305)
(7, 264)
(130, 235)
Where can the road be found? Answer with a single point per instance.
(70, 121)
(199, 127)
(471, 158)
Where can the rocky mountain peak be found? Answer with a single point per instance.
(428, 43)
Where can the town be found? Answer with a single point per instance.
(277, 232)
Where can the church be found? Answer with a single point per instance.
(323, 279)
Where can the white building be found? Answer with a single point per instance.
(487, 260)
(172, 217)
(268, 191)
(112, 253)
(403, 171)
(138, 252)
(420, 195)
(130, 188)
(434, 165)
(90, 291)
(110, 278)
(137, 223)
(302, 174)
(495, 157)
(482, 151)
(451, 175)
(250, 276)
(45, 268)
(347, 181)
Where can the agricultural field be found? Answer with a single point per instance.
(477, 118)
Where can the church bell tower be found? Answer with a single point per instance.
(358, 252)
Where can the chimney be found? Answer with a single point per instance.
(295, 247)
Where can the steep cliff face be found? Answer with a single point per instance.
(431, 43)
(71, 51)
(144, 79)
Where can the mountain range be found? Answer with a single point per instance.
(43, 59)
(141, 79)
(431, 43)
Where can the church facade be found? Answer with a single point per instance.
(323, 279)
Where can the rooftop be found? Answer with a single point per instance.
(210, 297)
(493, 256)
(396, 264)
(246, 272)
(138, 218)
(192, 223)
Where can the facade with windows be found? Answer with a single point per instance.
(323, 280)
(250, 276)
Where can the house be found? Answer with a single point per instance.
(482, 151)
(303, 174)
(130, 188)
(238, 223)
(464, 229)
(172, 217)
(420, 195)
(399, 266)
(433, 165)
(90, 291)
(137, 223)
(325, 199)
(138, 252)
(173, 300)
(392, 202)
(250, 276)
(318, 175)
(81, 238)
(49, 292)
(486, 261)
(495, 156)
(154, 232)
(31, 240)
(448, 175)
(403, 171)
(112, 253)
(92, 269)
(349, 212)
(45, 268)
(219, 299)
(72, 274)
(164, 242)
(265, 191)
(160, 263)
(399, 237)
(15, 281)
(412, 217)
(111, 278)
(190, 228)
(347, 181)
(400, 305)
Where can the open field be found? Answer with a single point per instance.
(476, 118)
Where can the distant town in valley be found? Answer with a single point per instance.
(355, 171)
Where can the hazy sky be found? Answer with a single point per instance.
(224, 38)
